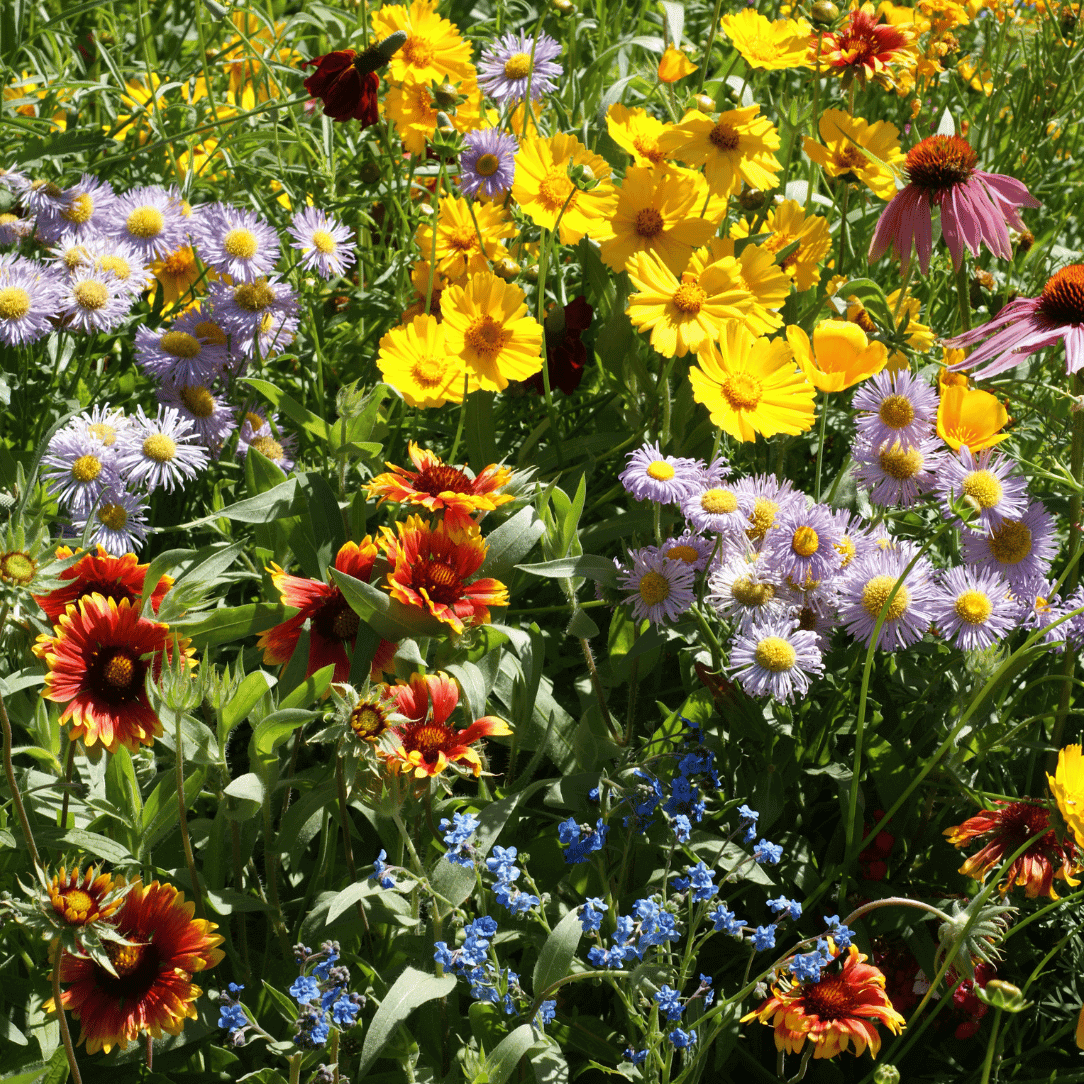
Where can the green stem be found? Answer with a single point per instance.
(820, 450)
(894, 901)
(62, 1017)
(962, 295)
(844, 199)
(189, 857)
(991, 1048)
(707, 49)
(13, 785)
(69, 766)
(344, 818)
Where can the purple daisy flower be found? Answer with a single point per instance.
(856, 540)
(767, 497)
(277, 331)
(972, 607)
(104, 423)
(14, 229)
(159, 452)
(740, 590)
(274, 445)
(42, 197)
(243, 310)
(236, 242)
(487, 164)
(985, 481)
(178, 353)
(119, 522)
(515, 64)
(129, 268)
(210, 414)
(1020, 548)
(774, 658)
(29, 296)
(690, 548)
(895, 407)
(85, 210)
(801, 547)
(94, 301)
(652, 476)
(661, 590)
(78, 467)
(897, 476)
(865, 589)
(13, 180)
(325, 244)
(719, 508)
(150, 220)
(1038, 606)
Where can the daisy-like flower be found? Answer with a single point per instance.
(660, 588)
(717, 507)
(40, 197)
(865, 589)
(150, 220)
(433, 568)
(768, 497)
(152, 991)
(757, 272)
(786, 224)
(517, 65)
(691, 548)
(270, 442)
(103, 253)
(637, 133)
(14, 229)
(97, 573)
(839, 357)
(734, 148)
(439, 487)
(651, 476)
(236, 242)
(486, 325)
(894, 407)
(743, 592)
(427, 745)
(685, 314)
(333, 625)
(1020, 548)
(846, 138)
(159, 452)
(1028, 324)
(985, 482)
(250, 308)
(840, 1010)
(855, 540)
(1038, 606)
(179, 276)
(98, 656)
(487, 166)
(415, 112)
(767, 45)
(93, 301)
(657, 212)
(459, 249)
(413, 358)
(803, 545)
(544, 190)
(79, 468)
(751, 385)
(118, 523)
(210, 413)
(29, 297)
(179, 353)
(84, 210)
(1003, 831)
(863, 48)
(82, 898)
(774, 658)
(973, 608)
(325, 244)
(976, 207)
(433, 48)
(895, 475)
(1067, 787)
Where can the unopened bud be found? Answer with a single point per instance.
(564, 7)
(751, 199)
(824, 12)
(582, 176)
(1002, 995)
(886, 1074)
(704, 102)
(446, 96)
(392, 44)
(507, 268)
(531, 273)
(369, 173)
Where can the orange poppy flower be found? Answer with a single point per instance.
(333, 625)
(1004, 830)
(438, 487)
(98, 573)
(972, 417)
(839, 1010)
(152, 990)
(432, 568)
(426, 743)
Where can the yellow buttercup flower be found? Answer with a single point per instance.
(840, 355)
(972, 417)
(769, 45)
(542, 188)
(684, 314)
(788, 223)
(433, 50)
(845, 138)
(411, 109)
(981, 79)
(459, 250)
(758, 273)
(1067, 787)
(657, 211)
(750, 385)
(415, 359)
(674, 65)
(637, 132)
(737, 147)
(487, 326)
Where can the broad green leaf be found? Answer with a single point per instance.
(388, 616)
(310, 690)
(289, 406)
(558, 952)
(231, 623)
(99, 845)
(600, 569)
(274, 503)
(248, 695)
(160, 813)
(285, 1004)
(511, 542)
(244, 797)
(277, 727)
(502, 1060)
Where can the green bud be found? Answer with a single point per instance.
(582, 176)
(751, 199)
(824, 12)
(392, 44)
(445, 96)
(886, 1074)
(1002, 995)
(979, 943)
(369, 173)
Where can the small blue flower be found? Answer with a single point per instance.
(591, 913)
(749, 818)
(637, 1057)
(682, 828)
(669, 1001)
(345, 1012)
(457, 832)
(700, 877)
(546, 1012)
(767, 853)
(806, 967)
(726, 921)
(319, 1034)
(792, 907)
(385, 879)
(305, 989)
(232, 1017)
(682, 1039)
(841, 935)
(235, 988)
(593, 795)
(764, 938)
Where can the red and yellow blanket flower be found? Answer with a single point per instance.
(152, 990)
(432, 568)
(333, 625)
(438, 487)
(425, 743)
(80, 898)
(864, 48)
(98, 657)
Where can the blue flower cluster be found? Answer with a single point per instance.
(508, 895)
(581, 840)
(807, 966)
(767, 853)
(749, 818)
(323, 996)
(726, 921)
(592, 912)
(645, 799)
(699, 878)
(233, 1015)
(471, 961)
(791, 909)
(457, 833)
(648, 923)
(382, 872)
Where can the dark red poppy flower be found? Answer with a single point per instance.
(565, 353)
(348, 93)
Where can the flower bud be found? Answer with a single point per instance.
(886, 1074)
(971, 935)
(704, 102)
(369, 172)
(751, 199)
(1002, 995)
(445, 96)
(824, 13)
(582, 176)
(564, 7)
(507, 268)
(392, 44)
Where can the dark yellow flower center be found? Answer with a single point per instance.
(1011, 542)
(240, 243)
(180, 344)
(323, 242)
(117, 265)
(86, 468)
(649, 222)
(80, 209)
(775, 654)
(14, 303)
(487, 337)
(899, 462)
(487, 165)
(805, 541)
(654, 588)
(896, 411)
(18, 567)
(145, 222)
(267, 446)
(724, 137)
(159, 447)
(254, 296)
(660, 470)
(748, 592)
(428, 372)
(113, 516)
(983, 487)
(761, 519)
(368, 722)
(718, 501)
(417, 52)
(210, 331)
(689, 554)
(742, 391)
(90, 294)
(690, 296)
(876, 592)
(517, 66)
(198, 400)
(462, 239)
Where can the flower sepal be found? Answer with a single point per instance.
(973, 942)
(1002, 995)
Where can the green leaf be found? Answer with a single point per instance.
(310, 690)
(502, 1060)
(411, 989)
(277, 727)
(285, 1004)
(600, 569)
(581, 626)
(558, 952)
(101, 846)
(388, 616)
(289, 406)
(231, 623)
(245, 797)
(157, 569)
(248, 695)
(160, 812)
(511, 542)
(274, 503)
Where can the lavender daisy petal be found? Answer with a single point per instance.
(160, 451)
(1021, 549)
(661, 589)
(652, 476)
(236, 242)
(325, 244)
(866, 588)
(894, 406)
(774, 658)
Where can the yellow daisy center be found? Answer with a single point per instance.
(86, 468)
(742, 391)
(145, 222)
(90, 295)
(983, 487)
(517, 66)
(117, 265)
(749, 592)
(648, 148)
(80, 209)
(689, 554)
(119, 671)
(689, 297)
(241, 244)
(180, 344)
(649, 222)
(323, 242)
(428, 372)
(73, 906)
(14, 303)
(761, 518)
(654, 588)
(254, 420)
(267, 446)
(74, 257)
(555, 189)
(718, 501)
(6, 219)
(487, 165)
(159, 447)
(1011, 542)
(805, 542)
(181, 262)
(974, 607)
(124, 958)
(207, 329)
(900, 463)
(113, 516)
(486, 337)
(418, 52)
(724, 137)
(367, 721)
(896, 411)
(876, 592)
(105, 433)
(660, 470)
(462, 239)
(775, 654)
(847, 549)
(850, 157)
(254, 296)
(198, 400)
(17, 566)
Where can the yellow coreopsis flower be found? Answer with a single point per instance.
(846, 138)
(543, 188)
(415, 359)
(788, 223)
(433, 50)
(981, 79)
(757, 272)
(674, 65)
(637, 132)
(737, 147)
(1067, 787)
(766, 44)
(411, 109)
(750, 385)
(972, 417)
(657, 211)
(684, 314)
(840, 355)
(459, 250)
(179, 275)
(487, 326)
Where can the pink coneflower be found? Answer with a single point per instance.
(1030, 323)
(975, 206)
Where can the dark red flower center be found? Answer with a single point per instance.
(939, 162)
(831, 999)
(1062, 299)
(441, 582)
(116, 674)
(428, 739)
(442, 479)
(1017, 822)
(335, 620)
(111, 589)
(137, 967)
